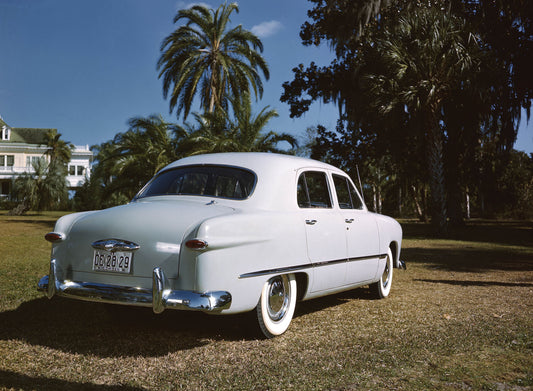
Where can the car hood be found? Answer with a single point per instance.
(157, 225)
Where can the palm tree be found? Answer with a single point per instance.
(133, 157)
(44, 189)
(218, 132)
(426, 57)
(59, 151)
(204, 54)
(250, 135)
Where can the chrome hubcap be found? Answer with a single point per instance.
(386, 274)
(278, 297)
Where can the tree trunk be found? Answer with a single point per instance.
(419, 210)
(399, 200)
(436, 178)
(374, 195)
(467, 204)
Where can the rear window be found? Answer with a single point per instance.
(313, 191)
(211, 181)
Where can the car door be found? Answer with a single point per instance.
(326, 240)
(361, 233)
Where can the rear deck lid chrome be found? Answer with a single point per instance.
(114, 245)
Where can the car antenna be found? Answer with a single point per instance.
(360, 184)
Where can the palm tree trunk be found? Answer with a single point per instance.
(419, 210)
(436, 166)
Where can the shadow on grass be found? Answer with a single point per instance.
(107, 330)
(507, 232)
(321, 303)
(18, 381)
(478, 283)
(469, 259)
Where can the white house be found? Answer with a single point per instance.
(20, 147)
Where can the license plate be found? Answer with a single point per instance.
(107, 261)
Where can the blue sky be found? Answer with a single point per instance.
(86, 67)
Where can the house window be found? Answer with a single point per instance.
(76, 170)
(5, 133)
(31, 160)
(7, 160)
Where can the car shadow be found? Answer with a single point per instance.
(321, 303)
(107, 330)
(12, 380)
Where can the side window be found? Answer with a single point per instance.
(346, 194)
(312, 191)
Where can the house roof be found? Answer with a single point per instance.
(25, 135)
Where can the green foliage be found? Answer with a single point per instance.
(515, 187)
(219, 132)
(45, 188)
(58, 150)
(428, 84)
(204, 57)
(124, 164)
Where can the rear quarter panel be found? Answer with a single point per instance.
(245, 243)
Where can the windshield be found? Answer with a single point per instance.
(212, 181)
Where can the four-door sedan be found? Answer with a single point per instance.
(228, 233)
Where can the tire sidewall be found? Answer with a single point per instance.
(385, 290)
(270, 327)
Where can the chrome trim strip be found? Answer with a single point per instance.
(159, 297)
(289, 269)
(114, 245)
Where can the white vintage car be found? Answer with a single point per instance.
(228, 233)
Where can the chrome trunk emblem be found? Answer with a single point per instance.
(114, 245)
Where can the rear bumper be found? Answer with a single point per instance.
(159, 297)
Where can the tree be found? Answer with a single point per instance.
(205, 54)
(426, 57)
(43, 189)
(59, 151)
(393, 58)
(130, 160)
(219, 132)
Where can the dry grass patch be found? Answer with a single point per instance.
(459, 318)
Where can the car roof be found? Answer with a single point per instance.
(255, 161)
(276, 180)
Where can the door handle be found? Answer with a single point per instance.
(310, 222)
(349, 221)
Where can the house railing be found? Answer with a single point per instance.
(16, 170)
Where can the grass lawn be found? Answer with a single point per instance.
(459, 318)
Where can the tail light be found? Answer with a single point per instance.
(196, 244)
(54, 237)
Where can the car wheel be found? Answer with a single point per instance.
(381, 289)
(276, 305)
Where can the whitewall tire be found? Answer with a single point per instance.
(381, 289)
(276, 305)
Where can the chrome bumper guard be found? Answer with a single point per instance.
(159, 297)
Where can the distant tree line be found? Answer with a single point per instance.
(430, 95)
